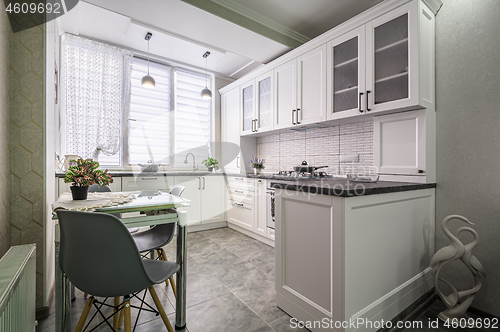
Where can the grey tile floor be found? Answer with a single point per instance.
(230, 288)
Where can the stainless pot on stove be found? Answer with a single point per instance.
(305, 168)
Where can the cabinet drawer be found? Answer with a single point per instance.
(248, 199)
(145, 183)
(241, 214)
(241, 183)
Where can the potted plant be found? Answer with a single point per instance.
(257, 165)
(82, 173)
(211, 163)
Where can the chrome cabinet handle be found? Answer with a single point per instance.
(367, 107)
(148, 179)
(199, 183)
(239, 191)
(238, 161)
(239, 179)
(253, 127)
(298, 110)
(204, 183)
(293, 117)
(238, 204)
(359, 106)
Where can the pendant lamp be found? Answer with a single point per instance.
(206, 93)
(148, 81)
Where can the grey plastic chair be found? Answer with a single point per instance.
(108, 266)
(157, 237)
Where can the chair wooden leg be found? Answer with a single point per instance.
(128, 321)
(160, 309)
(162, 256)
(85, 295)
(172, 282)
(120, 319)
(85, 314)
(116, 316)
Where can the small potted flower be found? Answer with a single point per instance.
(82, 173)
(211, 163)
(257, 165)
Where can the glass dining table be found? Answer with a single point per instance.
(137, 201)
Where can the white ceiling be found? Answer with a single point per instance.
(183, 33)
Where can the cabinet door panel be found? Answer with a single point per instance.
(399, 143)
(264, 95)
(346, 75)
(312, 86)
(285, 78)
(212, 199)
(247, 108)
(261, 207)
(230, 132)
(241, 215)
(193, 193)
(389, 70)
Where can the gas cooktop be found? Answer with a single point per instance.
(291, 175)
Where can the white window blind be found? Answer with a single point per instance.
(192, 117)
(148, 136)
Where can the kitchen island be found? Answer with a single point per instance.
(348, 251)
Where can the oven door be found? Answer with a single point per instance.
(271, 219)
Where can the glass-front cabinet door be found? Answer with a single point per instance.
(346, 75)
(248, 108)
(389, 69)
(264, 102)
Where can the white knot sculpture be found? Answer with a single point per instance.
(457, 302)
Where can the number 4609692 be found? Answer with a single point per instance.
(32, 8)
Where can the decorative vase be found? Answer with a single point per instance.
(79, 193)
(210, 168)
(257, 171)
(457, 302)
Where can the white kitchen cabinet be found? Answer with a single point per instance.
(212, 199)
(311, 92)
(146, 182)
(192, 192)
(346, 74)
(261, 207)
(257, 105)
(404, 144)
(236, 150)
(347, 269)
(394, 66)
(300, 89)
(207, 197)
(285, 81)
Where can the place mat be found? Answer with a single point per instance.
(94, 201)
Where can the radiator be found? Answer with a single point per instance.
(18, 289)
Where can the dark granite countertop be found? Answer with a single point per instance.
(346, 188)
(171, 173)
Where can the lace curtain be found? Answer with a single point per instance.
(96, 92)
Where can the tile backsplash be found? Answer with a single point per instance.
(319, 147)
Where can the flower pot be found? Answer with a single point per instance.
(257, 171)
(79, 193)
(210, 168)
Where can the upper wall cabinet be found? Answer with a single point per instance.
(257, 105)
(300, 88)
(387, 64)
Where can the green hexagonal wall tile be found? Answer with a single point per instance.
(31, 86)
(37, 63)
(14, 135)
(38, 211)
(21, 212)
(20, 110)
(37, 110)
(31, 136)
(15, 236)
(31, 187)
(37, 161)
(33, 233)
(14, 84)
(15, 187)
(20, 161)
(20, 59)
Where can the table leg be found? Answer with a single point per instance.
(180, 301)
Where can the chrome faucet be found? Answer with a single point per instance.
(194, 161)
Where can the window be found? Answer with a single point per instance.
(161, 124)
(148, 136)
(192, 118)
